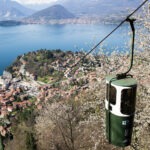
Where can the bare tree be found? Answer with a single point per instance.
(71, 125)
(62, 120)
(143, 33)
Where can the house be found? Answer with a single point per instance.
(39, 106)
(22, 60)
(9, 108)
(22, 70)
(67, 73)
(16, 79)
(5, 102)
(3, 108)
(3, 131)
(1, 81)
(8, 95)
(3, 113)
(7, 75)
(6, 84)
(92, 76)
(11, 99)
(27, 74)
(24, 97)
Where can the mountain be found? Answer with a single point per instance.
(13, 10)
(54, 12)
(94, 10)
(100, 7)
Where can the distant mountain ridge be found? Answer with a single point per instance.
(52, 12)
(100, 7)
(12, 10)
(80, 11)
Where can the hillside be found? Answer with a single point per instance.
(87, 90)
(55, 12)
(12, 10)
(59, 97)
(47, 64)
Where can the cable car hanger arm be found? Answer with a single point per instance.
(123, 75)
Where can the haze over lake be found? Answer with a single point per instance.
(17, 40)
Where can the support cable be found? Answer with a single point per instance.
(127, 18)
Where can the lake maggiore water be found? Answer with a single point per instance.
(17, 40)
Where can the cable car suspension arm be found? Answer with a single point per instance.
(123, 75)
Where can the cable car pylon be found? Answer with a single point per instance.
(120, 102)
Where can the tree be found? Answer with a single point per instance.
(30, 141)
(61, 120)
(143, 33)
(65, 125)
(1, 143)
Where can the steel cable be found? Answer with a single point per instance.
(108, 35)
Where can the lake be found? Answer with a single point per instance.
(17, 40)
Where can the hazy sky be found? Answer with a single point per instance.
(37, 1)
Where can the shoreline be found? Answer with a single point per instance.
(78, 21)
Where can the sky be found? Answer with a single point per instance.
(28, 2)
(38, 4)
(41, 4)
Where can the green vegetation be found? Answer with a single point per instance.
(26, 115)
(1, 143)
(32, 99)
(13, 66)
(54, 77)
(42, 63)
(23, 131)
(44, 79)
(30, 141)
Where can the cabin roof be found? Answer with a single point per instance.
(126, 82)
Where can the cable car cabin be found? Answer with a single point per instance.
(120, 108)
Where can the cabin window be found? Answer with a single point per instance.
(128, 98)
(111, 94)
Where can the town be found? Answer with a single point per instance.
(22, 89)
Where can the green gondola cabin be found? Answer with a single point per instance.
(120, 103)
(120, 108)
